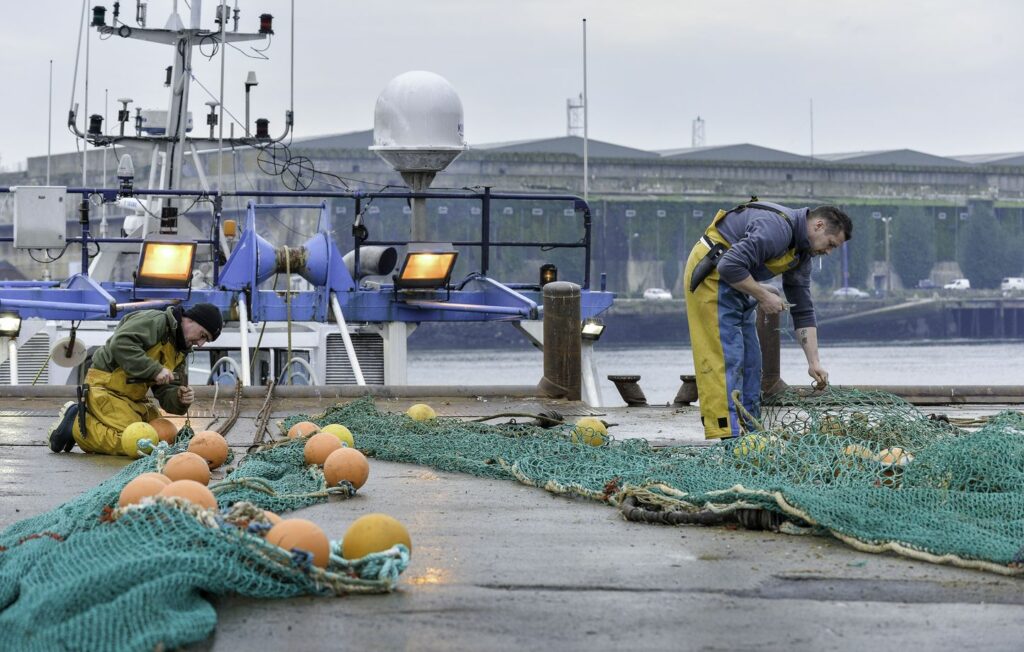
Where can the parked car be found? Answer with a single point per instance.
(657, 294)
(1012, 283)
(849, 293)
(958, 284)
(926, 284)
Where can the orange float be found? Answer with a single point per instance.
(298, 533)
(210, 446)
(192, 491)
(302, 429)
(319, 447)
(142, 486)
(188, 466)
(165, 430)
(346, 464)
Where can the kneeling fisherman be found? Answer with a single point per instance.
(147, 351)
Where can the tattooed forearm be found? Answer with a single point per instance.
(803, 335)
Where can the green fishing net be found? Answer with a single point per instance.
(868, 468)
(91, 576)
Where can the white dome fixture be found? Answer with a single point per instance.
(417, 123)
(418, 130)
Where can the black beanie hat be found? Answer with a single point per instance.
(208, 316)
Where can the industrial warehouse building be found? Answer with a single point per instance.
(648, 207)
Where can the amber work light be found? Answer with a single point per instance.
(165, 264)
(426, 269)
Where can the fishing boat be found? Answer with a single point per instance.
(298, 312)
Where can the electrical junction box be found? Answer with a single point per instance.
(40, 220)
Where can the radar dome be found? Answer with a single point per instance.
(417, 123)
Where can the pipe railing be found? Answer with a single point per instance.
(302, 363)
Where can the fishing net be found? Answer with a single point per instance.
(867, 468)
(91, 576)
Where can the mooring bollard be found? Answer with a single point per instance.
(687, 391)
(563, 377)
(768, 337)
(629, 390)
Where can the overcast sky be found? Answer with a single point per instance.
(941, 76)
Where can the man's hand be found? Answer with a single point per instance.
(186, 395)
(165, 376)
(767, 296)
(820, 376)
(771, 304)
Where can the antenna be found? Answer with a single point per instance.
(106, 106)
(574, 116)
(812, 127)
(586, 135)
(85, 102)
(697, 133)
(49, 125)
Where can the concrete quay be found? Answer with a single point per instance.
(501, 566)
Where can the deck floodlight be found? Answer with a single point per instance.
(592, 329)
(548, 274)
(10, 324)
(165, 264)
(426, 269)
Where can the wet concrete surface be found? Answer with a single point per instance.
(501, 566)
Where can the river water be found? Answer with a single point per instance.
(908, 363)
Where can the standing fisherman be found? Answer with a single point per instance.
(751, 243)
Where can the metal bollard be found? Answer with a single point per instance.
(563, 376)
(629, 390)
(687, 391)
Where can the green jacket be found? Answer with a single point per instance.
(126, 349)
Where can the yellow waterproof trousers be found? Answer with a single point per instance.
(726, 354)
(723, 335)
(113, 404)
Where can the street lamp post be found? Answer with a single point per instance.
(888, 271)
(888, 259)
(846, 266)
(956, 235)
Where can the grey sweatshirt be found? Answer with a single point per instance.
(756, 235)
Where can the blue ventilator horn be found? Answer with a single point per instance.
(254, 259)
